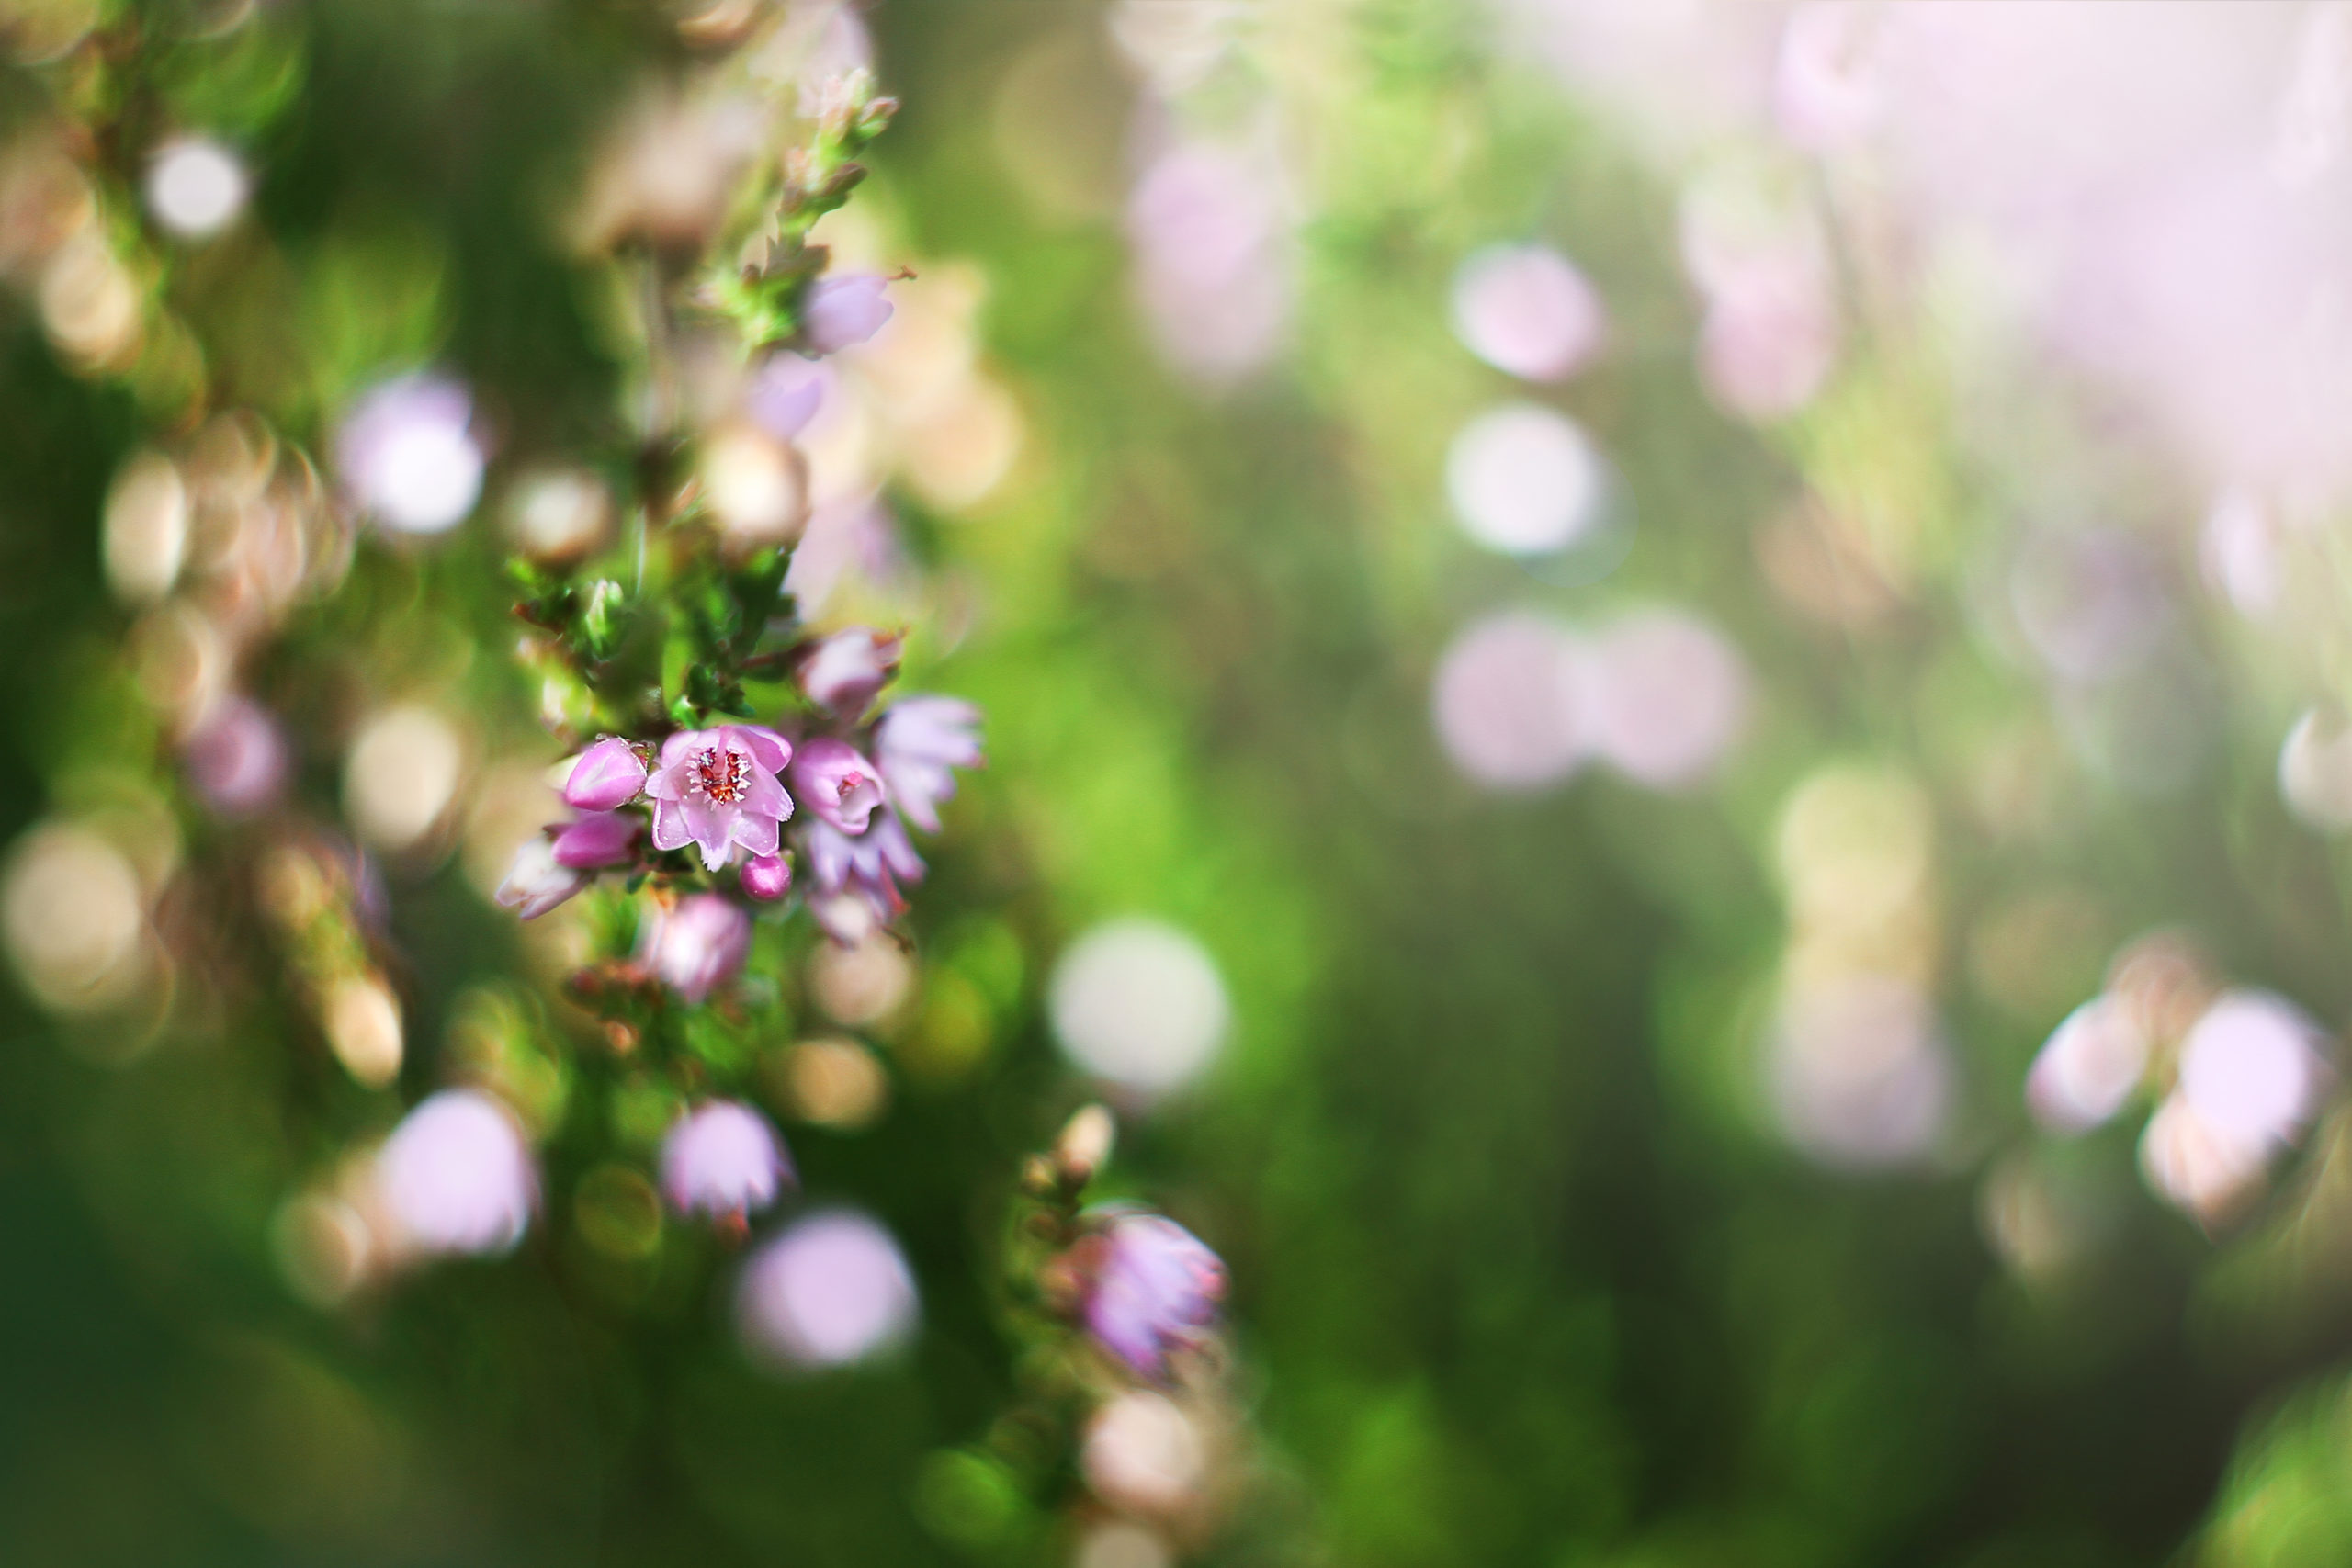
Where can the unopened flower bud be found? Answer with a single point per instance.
(1085, 1144)
(842, 311)
(538, 881)
(609, 774)
(767, 877)
(598, 839)
(845, 672)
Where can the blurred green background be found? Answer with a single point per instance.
(1525, 1270)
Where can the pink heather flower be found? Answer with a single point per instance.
(784, 394)
(832, 1290)
(858, 877)
(609, 775)
(844, 671)
(236, 759)
(538, 881)
(698, 946)
(722, 1159)
(456, 1176)
(767, 877)
(842, 310)
(1153, 1287)
(839, 786)
(598, 839)
(716, 788)
(916, 744)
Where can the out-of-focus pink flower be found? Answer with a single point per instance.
(843, 311)
(839, 786)
(1826, 85)
(917, 744)
(718, 788)
(1212, 262)
(1669, 695)
(723, 1159)
(2089, 1067)
(832, 1290)
(1526, 310)
(767, 877)
(609, 774)
(1770, 337)
(1511, 701)
(236, 758)
(456, 1176)
(857, 878)
(598, 839)
(2252, 1070)
(1151, 1288)
(407, 453)
(784, 394)
(698, 946)
(538, 881)
(844, 672)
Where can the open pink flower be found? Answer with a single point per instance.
(839, 786)
(698, 946)
(919, 743)
(857, 878)
(723, 1159)
(718, 788)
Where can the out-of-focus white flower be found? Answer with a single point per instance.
(2315, 770)
(1526, 310)
(2194, 1166)
(456, 1177)
(1525, 479)
(400, 775)
(538, 881)
(1143, 1452)
(408, 453)
(2252, 1070)
(74, 915)
(2240, 551)
(830, 1291)
(558, 514)
(1140, 1003)
(196, 187)
(146, 528)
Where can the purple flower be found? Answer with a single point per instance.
(784, 394)
(456, 1176)
(697, 947)
(858, 877)
(840, 311)
(916, 744)
(236, 759)
(767, 877)
(598, 839)
(716, 788)
(722, 1159)
(844, 672)
(838, 785)
(537, 881)
(609, 775)
(1153, 1287)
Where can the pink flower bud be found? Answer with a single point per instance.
(844, 671)
(839, 786)
(598, 839)
(842, 311)
(767, 877)
(538, 882)
(609, 775)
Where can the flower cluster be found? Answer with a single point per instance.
(835, 792)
